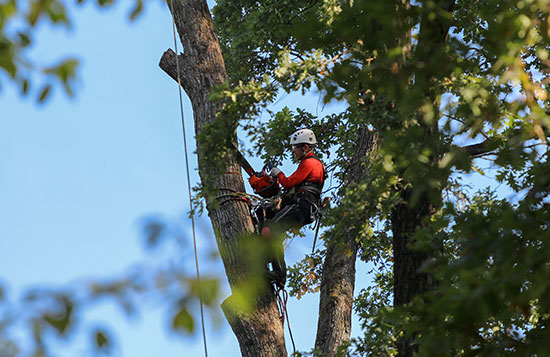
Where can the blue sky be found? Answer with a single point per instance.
(79, 174)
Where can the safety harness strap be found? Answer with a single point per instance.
(312, 188)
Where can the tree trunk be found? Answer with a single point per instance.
(201, 67)
(406, 218)
(409, 280)
(338, 279)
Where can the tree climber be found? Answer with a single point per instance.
(299, 204)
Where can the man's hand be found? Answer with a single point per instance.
(275, 172)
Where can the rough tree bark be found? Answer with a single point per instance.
(409, 280)
(260, 332)
(338, 279)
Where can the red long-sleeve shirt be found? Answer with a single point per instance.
(310, 170)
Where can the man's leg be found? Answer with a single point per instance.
(275, 256)
(272, 233)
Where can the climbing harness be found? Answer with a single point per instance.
(188, 179)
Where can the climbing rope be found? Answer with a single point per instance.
(236, 196)
(281, 302)
(324, 204)
(188, 180)
(317, 226)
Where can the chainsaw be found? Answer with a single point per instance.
(261, 182)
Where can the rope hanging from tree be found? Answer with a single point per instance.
(282, 299)
(188, 179)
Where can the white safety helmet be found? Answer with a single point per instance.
(303, 136)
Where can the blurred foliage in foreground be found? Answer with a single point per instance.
(20, 23)
(30, 323)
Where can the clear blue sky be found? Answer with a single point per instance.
(78, 175)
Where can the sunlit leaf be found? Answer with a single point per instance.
(34, 12)
(7, 9)
(57, 12)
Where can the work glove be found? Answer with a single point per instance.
(275, 172)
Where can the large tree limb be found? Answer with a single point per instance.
(479, 149)
(260, 332)
(491, 144)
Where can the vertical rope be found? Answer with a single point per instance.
(188, 179)
(317, 226)
(282, 302)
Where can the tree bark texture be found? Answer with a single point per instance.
(201, 67)
(338, 278)
(409, 280)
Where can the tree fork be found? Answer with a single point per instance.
(259, 332)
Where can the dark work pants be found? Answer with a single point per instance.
(293, 215)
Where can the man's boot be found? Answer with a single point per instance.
(278, 265)
(279, 268)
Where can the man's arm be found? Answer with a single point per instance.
(297, 177)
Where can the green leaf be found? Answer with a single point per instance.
(7, 10)
(60, 324)
(34, 13)
(102, 340)
(64, 72)
(67, 69)
(61, 320)
(24, 39)
(44, 93)
(208, 290)
(104, 2)
(57, 13)
(137, 10)
(183, 321)
(7, 60)
(25, 86)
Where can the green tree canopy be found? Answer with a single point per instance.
(452, 88)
